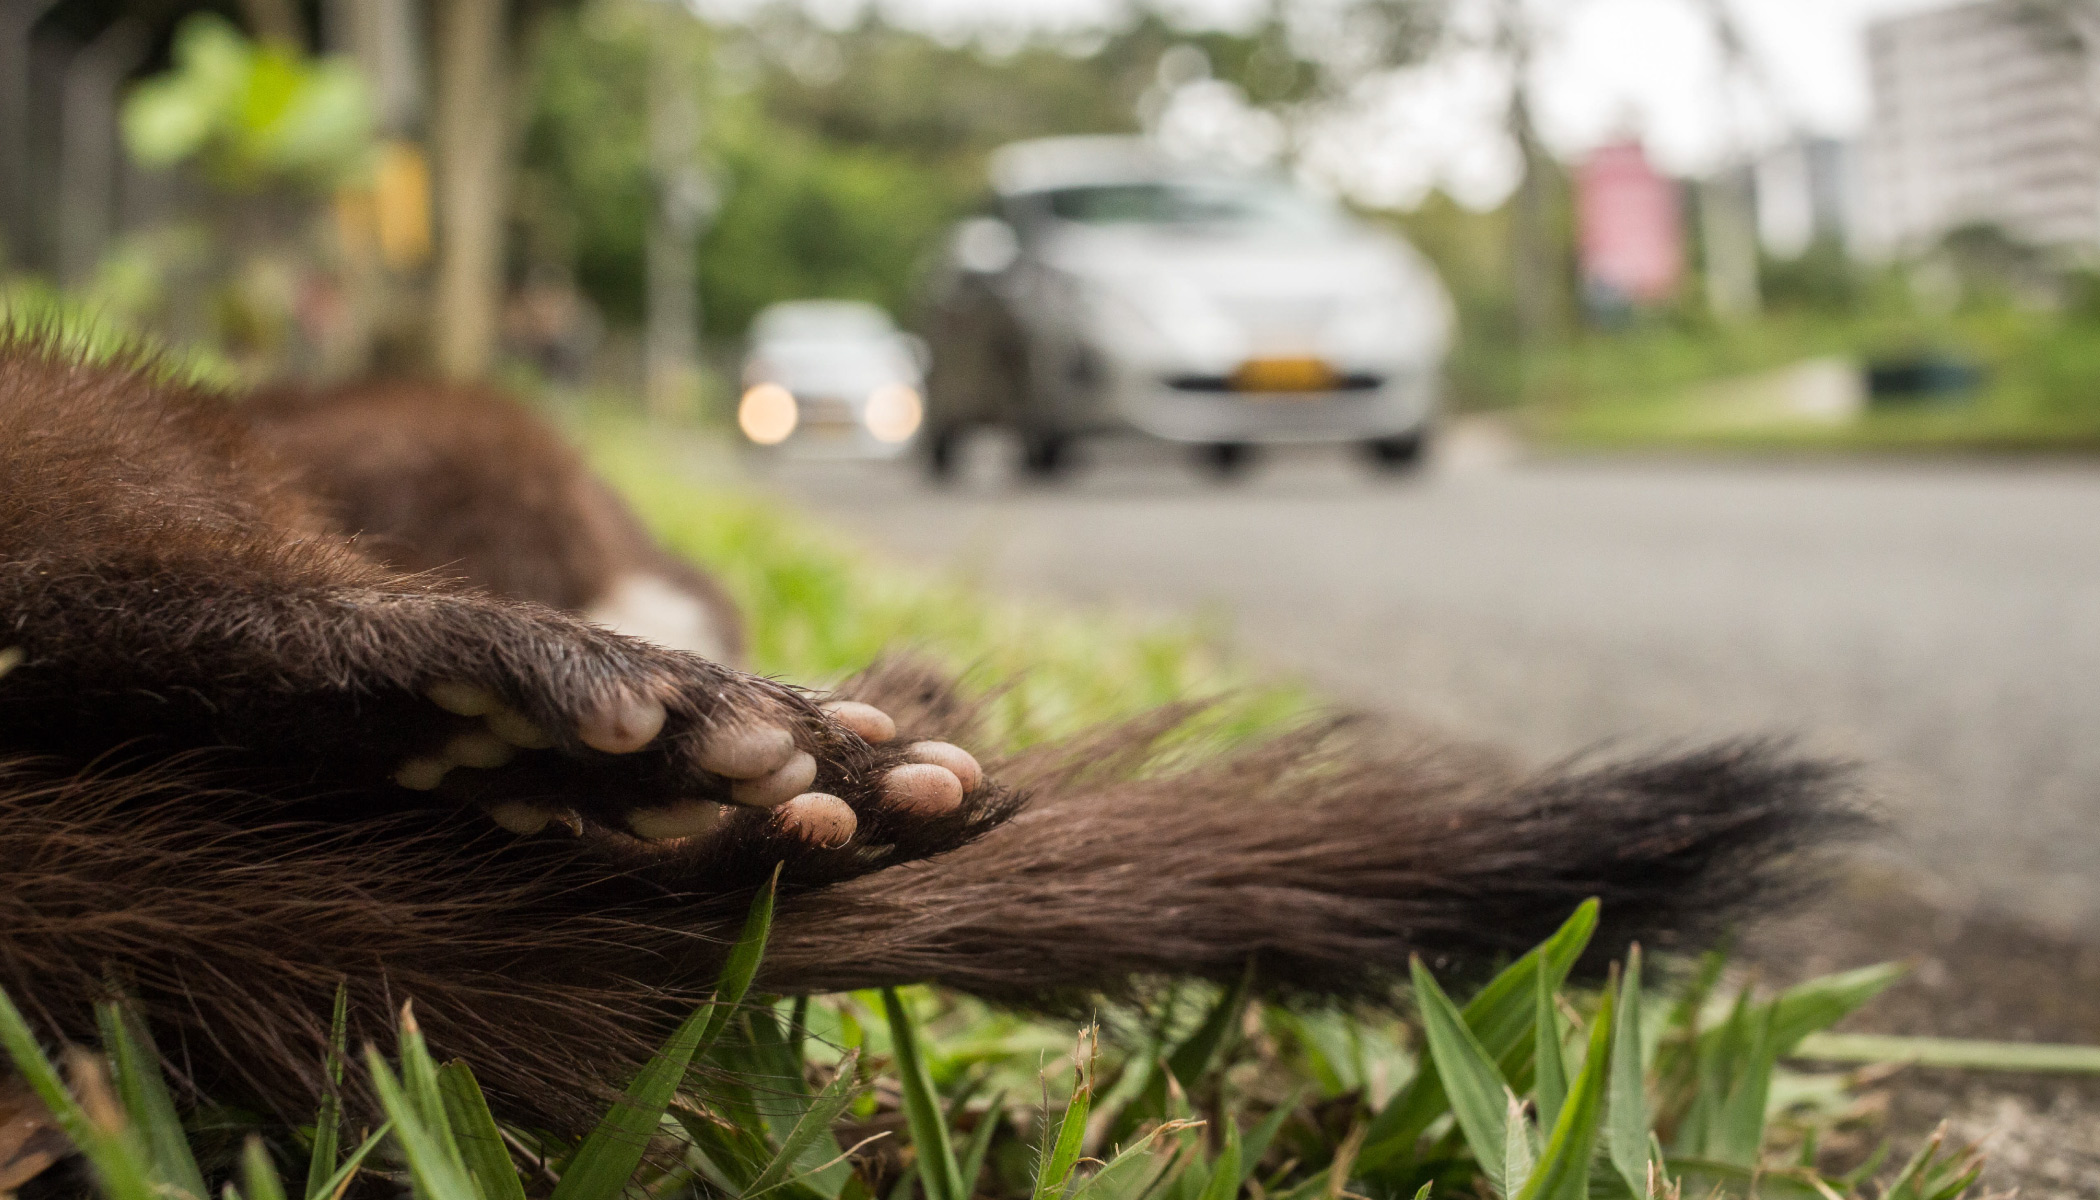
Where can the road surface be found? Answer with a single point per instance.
(1940, 622)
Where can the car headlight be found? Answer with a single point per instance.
(892, 413)
(767, 414)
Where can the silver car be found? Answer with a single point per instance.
(1118, 291)
(831, 378)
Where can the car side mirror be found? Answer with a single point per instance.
(986, 245)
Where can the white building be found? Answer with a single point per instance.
(1984, 112)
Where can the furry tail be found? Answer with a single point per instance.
(555, 965)
(1319, 858)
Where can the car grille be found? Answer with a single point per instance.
(825, 412)
(1357, 382)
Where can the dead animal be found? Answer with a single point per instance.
(381, 688)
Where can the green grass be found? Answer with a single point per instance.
(820, 608)
(1654, 386)
(1528, 1091)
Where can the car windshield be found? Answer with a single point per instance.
(1232, 202)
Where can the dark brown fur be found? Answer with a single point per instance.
(193, 799)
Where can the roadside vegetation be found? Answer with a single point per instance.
(1678, 377)
(1531, 1090)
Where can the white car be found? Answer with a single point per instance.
(1116, 291)
(831, 378)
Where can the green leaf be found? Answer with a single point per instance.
(1626, 1136)
(602, 1166)
(922, 1106)
(815, 1123)
(1225, 1176)
(1501, 1016)
(1471, 1079)
(1130, 1173)
(1950, 1053)
(1820, 1003)
(1061, 1153)
(259, 1179)
(320, 1165)
(1563, 1171)
(1550, 1071)
(144, 1092)
(434, 1169)
(120, 1164)
(333, 1186)
(1739, 1132)
(420, 1083)
(1195, 1057)
(981, 1144)
(1518, 1153)
(481, 1144)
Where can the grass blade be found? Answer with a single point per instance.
(1130, 1173)
(1739, 1131)
(328, 1120)
(481, 1144)
(1225, 1174)
(333, 1187)
(1193, 1059)
(1501, 1016)
(1061, 1153)
(922, 1106)
(815, 1122)
(144, 1092)
(981, 1144)
(1471, 1078)
(1550, 1065)
(119, 1163)
(1626, 1134)
(1563, 1171)
(1518, 1153)
(608, 1158)
(434, 1168)
(1820, 1003)
(259, 1178)
(1953, 1053)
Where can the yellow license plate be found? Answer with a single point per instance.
(1284, 375)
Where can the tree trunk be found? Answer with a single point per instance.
(473, 141)
(89, 156)
(672, 342)
(18, 246)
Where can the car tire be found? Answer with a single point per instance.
(1226, 460)
(943, 448)
(1400, 454)
(1045, 455)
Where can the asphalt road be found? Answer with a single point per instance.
(1940, 622)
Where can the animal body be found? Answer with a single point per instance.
(307, 692)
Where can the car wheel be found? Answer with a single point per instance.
(943, 447)
(1226, 460)
(1397, 454)
(1045, 455)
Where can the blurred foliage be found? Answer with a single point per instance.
(251, 113)
(840, 154)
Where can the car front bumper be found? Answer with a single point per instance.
(1397, 406)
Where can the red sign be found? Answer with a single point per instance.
(1632, 234)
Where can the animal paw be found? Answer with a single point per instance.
(664, 747)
